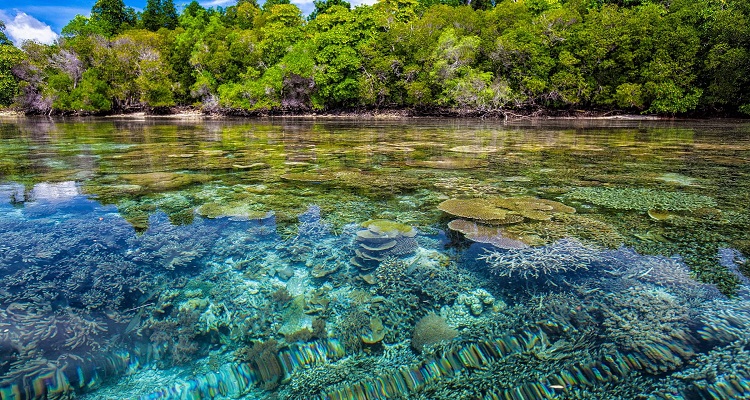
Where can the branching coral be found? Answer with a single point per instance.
(650, 323)
(562, 256)
(641, 199)
(171, 247)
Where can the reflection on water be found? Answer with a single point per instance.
(379, 260)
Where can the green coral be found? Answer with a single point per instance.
(384, 225)
(641, 199)
(241, 209)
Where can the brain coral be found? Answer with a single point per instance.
(431, 329)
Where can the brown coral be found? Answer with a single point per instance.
(448, 163)
(431, 329)
(311, 177)
(476, 209)
(477, 214)
(263, 357)
(485, 234)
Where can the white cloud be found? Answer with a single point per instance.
(24, 27)
(55, 16)
(215, 3)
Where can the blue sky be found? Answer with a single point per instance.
(42, 20)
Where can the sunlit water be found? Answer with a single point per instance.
(367, 260)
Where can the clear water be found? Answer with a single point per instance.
(424, 259)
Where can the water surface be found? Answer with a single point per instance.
(374, 259)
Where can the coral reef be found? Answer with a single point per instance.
(429, 330)
(564, 255)
(263, 366)
(479, 218)
(310, 177)
(641, 199)
(170, 247)
(735, 262)
(239, 210)
(382, 239)
(596, 302)
(649, 323)
(582, 227)
(155, 181)
(447, 163)
(474, 209)
(486, 234)
(408, 380)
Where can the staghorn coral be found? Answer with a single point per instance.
(670, 273)
(170, 247)
(641, 199)
(651, 324)
(561, 256)
(311, 224)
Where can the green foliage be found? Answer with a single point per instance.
(111, 16)
(3, 38)
(322, 5)
(92, 94)
(9, 57)
(652, 57)
(81, 26)
(269, 4)
(159, 14)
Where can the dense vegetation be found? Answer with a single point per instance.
(671, 57)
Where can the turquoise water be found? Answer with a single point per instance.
(301, 259)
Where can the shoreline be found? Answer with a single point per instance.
(182, 113)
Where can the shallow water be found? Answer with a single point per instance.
(368, 259)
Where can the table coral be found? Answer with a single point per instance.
(381, 239)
